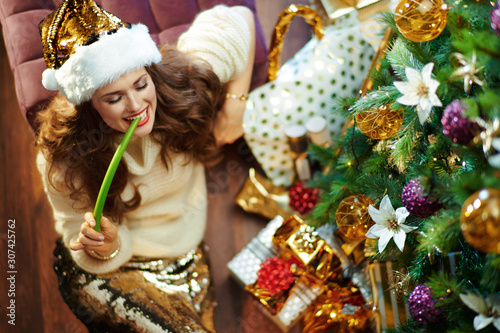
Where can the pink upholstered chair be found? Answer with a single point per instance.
(166, 20)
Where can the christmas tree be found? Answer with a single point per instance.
(417, 175)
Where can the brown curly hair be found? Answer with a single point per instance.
(79, 145)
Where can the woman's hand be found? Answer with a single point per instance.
(103, 243)
(229, 123)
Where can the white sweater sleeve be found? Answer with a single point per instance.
(221, 37)
(68, 220)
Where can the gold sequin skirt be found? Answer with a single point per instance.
(144, 295)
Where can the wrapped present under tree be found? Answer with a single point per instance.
(287, 266)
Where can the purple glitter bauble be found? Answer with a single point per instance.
(495, 19)
(422, 306)
(455, 126)
(414, 200)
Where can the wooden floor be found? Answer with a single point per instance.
(38, 304)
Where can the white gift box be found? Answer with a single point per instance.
(245, 265)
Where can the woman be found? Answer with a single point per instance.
(146, 270)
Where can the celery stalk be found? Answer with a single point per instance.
(110, 173)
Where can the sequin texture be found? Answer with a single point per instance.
(144, 295)
(73, 24)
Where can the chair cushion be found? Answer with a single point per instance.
(22, 39)
(8, 8)
(31, 95)
(177, 15)
(132, 11)
(172, 34)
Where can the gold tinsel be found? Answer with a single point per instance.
(281, 28)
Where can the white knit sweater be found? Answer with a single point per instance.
(171, 219)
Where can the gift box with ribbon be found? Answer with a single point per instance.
(291, 269)
(391, 285)
(335, 9)
(297, 240)
(389, 288)
(288, 307)
(363, 13)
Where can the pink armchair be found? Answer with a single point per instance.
(166, 20)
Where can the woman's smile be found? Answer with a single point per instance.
(143, 115)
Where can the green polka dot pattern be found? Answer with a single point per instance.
(304, 88)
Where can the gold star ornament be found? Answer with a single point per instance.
(468, 71)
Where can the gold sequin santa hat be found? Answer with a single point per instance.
(86, 48)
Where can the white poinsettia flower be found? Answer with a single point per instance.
(494, 160)
(389, 223)
(488, 309)
(419, 90)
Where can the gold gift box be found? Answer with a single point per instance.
(389, 288)
(296, 239)
(371, 28)
(366, 8)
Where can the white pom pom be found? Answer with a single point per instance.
(49, 79)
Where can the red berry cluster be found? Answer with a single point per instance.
(275, 275)
(303, 199)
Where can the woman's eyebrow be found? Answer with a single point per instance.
(140, 78)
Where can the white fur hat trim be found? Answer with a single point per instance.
(104, 61)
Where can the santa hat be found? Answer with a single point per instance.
(86, 48)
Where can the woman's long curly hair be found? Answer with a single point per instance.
(79, 145)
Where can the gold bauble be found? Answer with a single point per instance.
(352, 216)
(421, 20)
(480, 220)
(380, 123)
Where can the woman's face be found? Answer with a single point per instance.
(133, 95)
